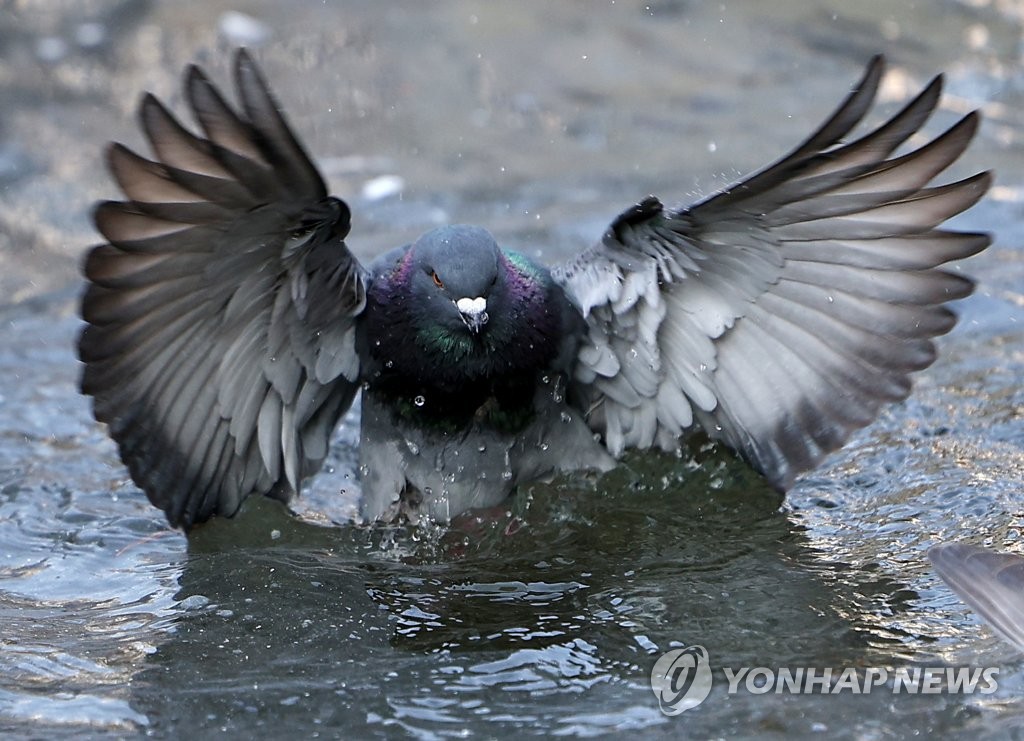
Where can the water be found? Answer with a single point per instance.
(540, 121)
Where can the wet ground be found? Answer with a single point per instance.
(541, 121)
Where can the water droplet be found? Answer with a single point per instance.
(482, 448)
(544, 446)
(545, 380)
(413, 447)
(419, 401)
(831, 299)
(633, 353)
(566, 417)
(703, 367)
(389, 363)
(507, 474)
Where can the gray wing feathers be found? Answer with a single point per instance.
(780, 314)
(219, 344)
(990, 582)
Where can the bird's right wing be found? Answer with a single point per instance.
(990, 582)
(220, 337)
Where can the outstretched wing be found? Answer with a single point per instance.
(990, 582)
(780, 314)
(221, 315)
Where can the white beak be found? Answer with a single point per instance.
(474, 312)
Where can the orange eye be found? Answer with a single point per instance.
(437, 279)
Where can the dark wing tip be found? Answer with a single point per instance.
(934, 88)
(634, 215)
(247, 72)
(193, 78)
(92, 264)
(243, 58)
(970, 190)
(873, 72)
(958, 137)
(112, 151)
(149, 103)
(102, 212)
(867, 87)
(155, 119)
(148, 108)
(971, 122)
(974, 242)
(984, 181)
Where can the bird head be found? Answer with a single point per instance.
(455, 275)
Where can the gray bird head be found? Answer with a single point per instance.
(455, 269)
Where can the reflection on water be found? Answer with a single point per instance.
(519, 616)
(547, 619)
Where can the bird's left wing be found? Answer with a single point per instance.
(219, 345)
(780, 314)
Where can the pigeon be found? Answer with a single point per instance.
(228, 326)
(989, 581)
